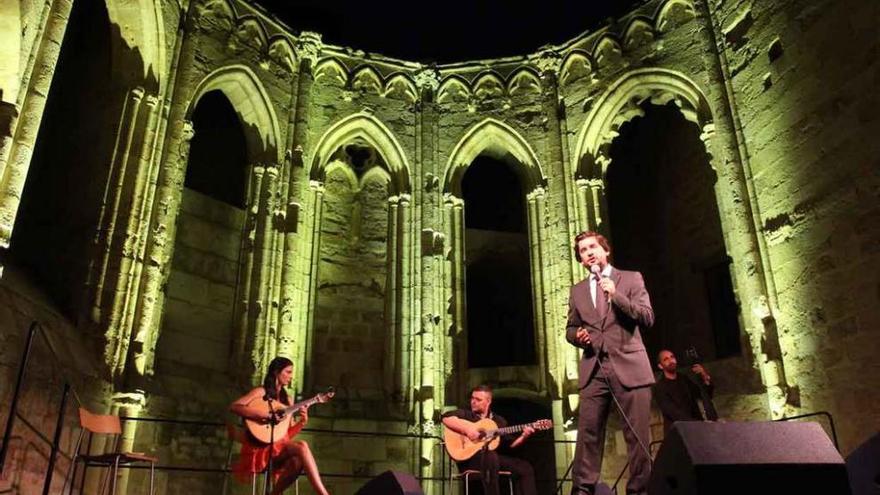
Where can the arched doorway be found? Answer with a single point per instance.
(664, 221)
(203, 280)
(500, 329)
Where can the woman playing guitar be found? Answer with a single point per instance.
(290, 457)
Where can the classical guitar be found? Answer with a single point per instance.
(262, 431)
(462, 448)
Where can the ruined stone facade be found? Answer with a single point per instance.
(348, 251)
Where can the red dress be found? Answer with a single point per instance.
(254, 456)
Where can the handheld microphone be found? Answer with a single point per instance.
(597, 272)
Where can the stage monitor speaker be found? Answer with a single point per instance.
(699, 458)
(392, 483)
(863, 465)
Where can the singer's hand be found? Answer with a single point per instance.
(304, 415)
(608, 286)
(582, 337)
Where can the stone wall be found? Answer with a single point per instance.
(350, 327)
(805, 77)
(197, 331)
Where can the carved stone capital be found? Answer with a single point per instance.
(428, 78)
(548, 62)
(309, 46)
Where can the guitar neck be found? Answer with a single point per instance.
(507, 430)
(296, 406)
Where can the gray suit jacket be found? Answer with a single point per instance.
(618, 332)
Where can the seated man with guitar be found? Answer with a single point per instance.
(267, 414)
(471, 436)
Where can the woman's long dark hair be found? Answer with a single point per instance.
(275, 367)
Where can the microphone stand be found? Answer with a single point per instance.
(272, 421)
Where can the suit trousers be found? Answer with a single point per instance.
(595, 403)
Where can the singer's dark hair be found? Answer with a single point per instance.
(275, 367)
(589, 233)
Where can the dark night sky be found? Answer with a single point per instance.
(447, 31)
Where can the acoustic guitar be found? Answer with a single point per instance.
(462, 448)
(262, 431)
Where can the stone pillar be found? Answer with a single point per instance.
(394, 350)
(138, 220)
(160, 245)
(243, 338)
(311, 242)
(545, 340)
(261, 330)
(294, 283)
(132, 248)
(16, 150)
(455, 229)
(129, 405)
(410, 361)
(559, 204)
(107, 238)
(427, 216)
(741, 220)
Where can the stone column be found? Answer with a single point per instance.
(160, 245)
(294, 282)
(427, 214)
(243, 339)
(545, 342)
(555, 211)
(262, 330)
(155, 204)
(17, 149)
(312, 243)
(129, 405)
(455, 289)
(107, 238)
(741, 220)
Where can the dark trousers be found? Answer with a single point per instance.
(489, 462)
(595, 403)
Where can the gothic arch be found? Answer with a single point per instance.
(401, 86)
(282, 52)
(250, 31)
(497, 139)
(672, 13)
(371, 130)
(453, 88)
(640, 30)
(332, 69)
(606, 49)
(524, 81)
(577, 64)
(620, 104)
(142, 29)
(489, 85)
(254, 108)
(368, 80)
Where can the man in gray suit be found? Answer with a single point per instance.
(605, 314)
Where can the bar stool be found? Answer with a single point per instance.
(469, 475)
